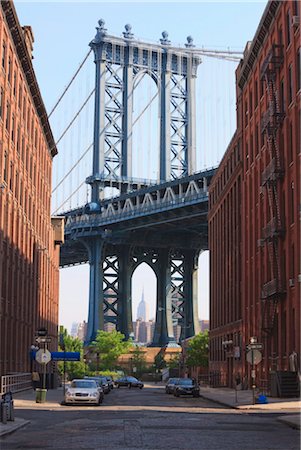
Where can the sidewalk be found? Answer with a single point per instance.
(27, 400)
(243, 400)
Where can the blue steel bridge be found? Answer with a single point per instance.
(160, 222)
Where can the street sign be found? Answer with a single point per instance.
(43, 356)
(43, 340)
(65, 356)
(254, 356)
(256, 346)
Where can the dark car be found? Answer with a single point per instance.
(187, 386)
(110, 382)
(170, 385)
(129, 382)
(102, 382)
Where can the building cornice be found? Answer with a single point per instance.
(25, 61)
(262, 32)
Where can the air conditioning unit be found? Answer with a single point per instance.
(291, 282)
(295, 21)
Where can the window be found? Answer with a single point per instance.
(5, 173)
(9, 70)
(256, 93)
(282, 97)
(261, 87)
(256, 140)
(290, 85)
(288, 28)
(298, 70)
(7, 115)
(20, 97)
(11, 176)
(18, 140)
(251, 103)
(292, 202)
(15, 84)
(290, 142)
(1, 102)
(296, 7)
(13, 128)
(246, 113)
(280, 36)
(3, 55)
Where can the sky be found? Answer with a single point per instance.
(62, 32)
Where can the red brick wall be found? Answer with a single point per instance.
(28, 257)
(255, 212)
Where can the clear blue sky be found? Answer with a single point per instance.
(62, 31)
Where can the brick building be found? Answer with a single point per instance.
(254, 230)
(29, 254)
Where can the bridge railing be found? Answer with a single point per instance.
(129, 209)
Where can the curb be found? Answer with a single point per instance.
(295, 424)
(219, 402)
(12, 428)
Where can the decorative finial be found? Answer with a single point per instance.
(101, 31)
(189, 43)
(127, 34)
(165, 40)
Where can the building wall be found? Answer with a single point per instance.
(29, 257)
(269, 261)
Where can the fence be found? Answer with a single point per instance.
(15, 382)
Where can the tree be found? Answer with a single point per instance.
(160, 362)
(138, 360)
(198, 351)
(68, 343)
(109, 346)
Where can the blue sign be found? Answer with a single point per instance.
(59, 356)
(65, 356)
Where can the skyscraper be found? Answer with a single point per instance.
(142, 310)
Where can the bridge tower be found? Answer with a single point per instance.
(119, 62)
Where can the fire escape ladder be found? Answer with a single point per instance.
(272, 291)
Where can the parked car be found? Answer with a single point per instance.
(186, 386)
(129, 382)
(170, 385)
(102, 381)
(83, 391)
(110, 382)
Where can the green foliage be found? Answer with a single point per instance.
(138, 360)
(109, 346)
(74, 369)
(198, 351)
(174, 361)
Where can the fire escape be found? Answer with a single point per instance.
(271, 122)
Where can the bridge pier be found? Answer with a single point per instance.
(191, 317)
(163, 334)
(95, 314)
(124, 321)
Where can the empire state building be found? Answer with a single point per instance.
(142, 310)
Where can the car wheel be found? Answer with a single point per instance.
(140, 387)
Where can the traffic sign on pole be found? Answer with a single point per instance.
(256, 346)
(254, 357)
(43, 340)
(43, 356)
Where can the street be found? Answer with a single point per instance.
(145, 419)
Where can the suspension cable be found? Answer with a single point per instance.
(69, 84)
(75, 117)
(71, 195)
(72, 168)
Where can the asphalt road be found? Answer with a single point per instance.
(149, 419)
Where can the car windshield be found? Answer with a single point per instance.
(172, 380)
(86, 384)
(186, 381)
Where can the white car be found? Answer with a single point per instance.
(83, 391)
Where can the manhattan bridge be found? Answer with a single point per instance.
(121, 217)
